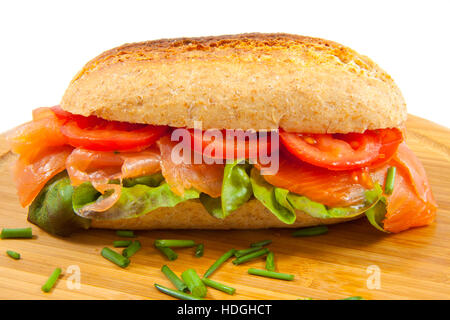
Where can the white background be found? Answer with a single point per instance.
(44, 43)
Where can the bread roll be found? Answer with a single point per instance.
(192, 215)
(247, 81)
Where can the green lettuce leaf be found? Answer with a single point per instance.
(281, 196)
(212, 205)
(133, 202)
(314, 209)
(236, 190)
(265, 192)
(236, 186)
(52, 208)
(377, 212)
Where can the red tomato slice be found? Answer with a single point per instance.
(390, 140)
(343, 151)
(219, 145)
(61, 114)
(111, 136)
(97, 134)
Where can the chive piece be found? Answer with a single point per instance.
(270, 261)
(227, 255)
(121, 243)
(175, 293)
(175, 243)
(261, 243)
(243, 252)
(51, 280)
(176, 281)
(8, 233)
(125, 233)
(219, 286)
(116, 258)
(353, 298)
(308, 232)
(271, 274)
(194, 283)
(131, 249)
(251, 256)
(390, 179)
(13, 254)
(169, 253)
(199, 250)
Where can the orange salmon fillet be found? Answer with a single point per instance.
(203, 177)
(331, 188)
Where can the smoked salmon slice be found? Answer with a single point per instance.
(41, 113)
(99, 167)
(411, 203)
(31, 177)
(405, 208)
(416, 172)
(103, 204)
(32, 138)
(181, 176)
(331, 188)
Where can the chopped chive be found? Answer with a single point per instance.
(13, 254)
(243, 252)
(199, 250)
(353, 298)
(251, 256)
(271, 274)
(9, 233)
(218, 286)
(121, 243)
(308, 232)
(174, 243)
(169, 253)
(131, 249)
(51, 280)
(261, 243)
(116, 258)
(176, 293)
(176, 281)
(390, 179)
(227, 255)
(194, 283)
(125, 233)
(270, 261)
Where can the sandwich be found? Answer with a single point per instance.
(241, 131)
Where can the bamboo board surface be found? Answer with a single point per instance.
(413, 265)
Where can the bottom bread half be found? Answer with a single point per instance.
(192, 215)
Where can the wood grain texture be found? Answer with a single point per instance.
(414, 264)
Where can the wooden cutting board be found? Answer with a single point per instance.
(412, 265)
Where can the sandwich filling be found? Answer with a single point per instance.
(72, 169)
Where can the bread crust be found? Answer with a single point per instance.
(247, 81)
(192, 215)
